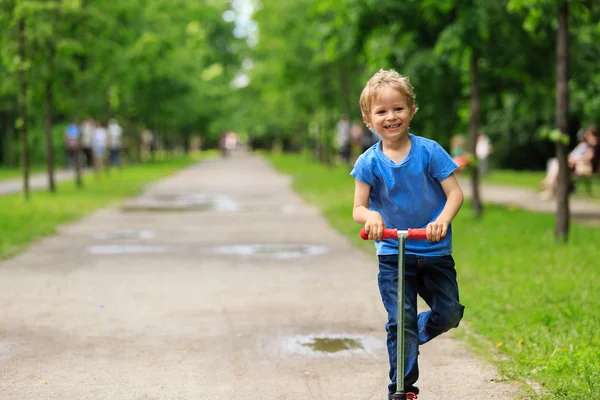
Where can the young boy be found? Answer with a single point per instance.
(407, 181)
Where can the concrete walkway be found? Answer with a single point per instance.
(201, 304)
(587, 212)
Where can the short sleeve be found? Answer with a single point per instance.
(441, 165)
(362, 170)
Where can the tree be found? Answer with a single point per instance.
(561, 232)
(23, 117)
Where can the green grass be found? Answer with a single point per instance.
(537, 301)
(22, 222)
(16, 173)
(527, 179)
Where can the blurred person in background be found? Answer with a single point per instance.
(580, 162)
(342, 137)
(99, 142)
(115, 134)
(87, 133)
(356, 141)
(72, 134)
(369, 138)
(483, 149)
(595, 143)
(458, 152)
(146, 143)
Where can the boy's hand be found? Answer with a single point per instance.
(374, 226)
(437, 230)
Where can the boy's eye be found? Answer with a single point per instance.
(399, 108)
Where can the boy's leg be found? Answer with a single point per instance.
(388, 287)
(439, 288)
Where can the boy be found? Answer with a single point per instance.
(407, 181)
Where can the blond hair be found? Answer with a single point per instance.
(386, 78)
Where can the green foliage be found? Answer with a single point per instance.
(162, 64)
(316, 55)
(528, 297)
(554, 135)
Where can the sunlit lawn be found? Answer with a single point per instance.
(22, 222)
(15, 173)
(535, 300)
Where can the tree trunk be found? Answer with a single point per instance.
(48, 99)
(10, 140)
(561, 232)
(23, 108)
(473, 132)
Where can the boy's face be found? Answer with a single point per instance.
(390, 114)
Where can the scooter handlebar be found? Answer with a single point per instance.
(393, 233)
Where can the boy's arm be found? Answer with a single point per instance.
(372, 220)
(437, 230)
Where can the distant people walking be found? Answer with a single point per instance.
(87, 134)
(99, 142)
(368, 138)
(580, 162)
(146, 144)
(72, 134)
(342, 138)
(483, 149)
(228, 143)
(458, 151)
(115, 139)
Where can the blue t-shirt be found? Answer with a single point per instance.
(408, 195)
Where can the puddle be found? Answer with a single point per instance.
(9, 349)
(276, 251)
(125, 234)
(279, 251)
(201, 202)
(181, 202)
(270, 208)
(128, 249)
(331, 345)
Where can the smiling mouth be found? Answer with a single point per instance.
(392, 126)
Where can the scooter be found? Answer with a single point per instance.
(402, 236)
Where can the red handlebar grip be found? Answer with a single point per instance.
(388, 233)
(392, 233)
(417, 234)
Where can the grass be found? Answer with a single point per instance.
(536, 301)
(22, 222)
(526, 179)
(16, 173)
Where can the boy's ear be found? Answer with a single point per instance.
(413, 110)
(366, 120)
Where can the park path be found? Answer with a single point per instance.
(219, 302)
(587, 212)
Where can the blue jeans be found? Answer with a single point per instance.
(432, 278)
(114, 157)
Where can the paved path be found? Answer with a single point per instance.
(583, 211)
(587, 212)
(170, 315)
